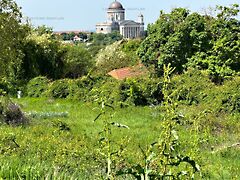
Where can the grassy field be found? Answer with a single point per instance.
(61, 141)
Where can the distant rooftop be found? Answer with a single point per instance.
(73, 31)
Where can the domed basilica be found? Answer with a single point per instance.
(116, 22)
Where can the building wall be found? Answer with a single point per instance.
(103, 28)
(115, 15)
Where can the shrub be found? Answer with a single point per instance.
(37, 86)
(130, 47)
(77, 62)
(133, 91)
(152, 90)
(140, 91)
(7, 86)
(61, 88)
(112, 57)
(11, 113)
(226, 98)
(192, 87)
(106, 91)
(86, 84)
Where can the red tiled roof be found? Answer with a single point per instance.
(128, 72)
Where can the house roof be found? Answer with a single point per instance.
(128, 72)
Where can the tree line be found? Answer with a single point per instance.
(185, 40)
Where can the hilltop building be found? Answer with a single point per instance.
(116, 22)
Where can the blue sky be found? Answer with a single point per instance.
(83, 15)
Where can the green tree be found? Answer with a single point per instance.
(130, 47)
(64, 36)
(12, 34)
(174, 38)
(223, 59)
(105, 39)
(71, 35)
(43, 54)
(83, 35)
(112, 57)
(187, 39)
(77, 61)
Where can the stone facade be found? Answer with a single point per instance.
(116, 22)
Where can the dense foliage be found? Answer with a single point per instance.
(112, 57)
(130, 48)
(80, 122)
(12, 35)
(192, 88)
(105, 39)
(43, 55)
(93, 89)
(190, 39)
(70, 36)
(77, 61)
(63, 141)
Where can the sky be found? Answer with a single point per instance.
(64, 15)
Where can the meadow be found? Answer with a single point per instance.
(62, 140)
(177, 120)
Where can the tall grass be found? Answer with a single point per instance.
(46, 150)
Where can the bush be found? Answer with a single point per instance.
(110, 58)
(194, 87)
(141, 92)
(106, 90)
(37, 86)
(3, 87)
(71, 88)
(226, 98)
(130, 47)
(10, 87)
(133, 91)
(77, 62)
(191, 87)
(61, 88)
(11, 113)
(138, 91)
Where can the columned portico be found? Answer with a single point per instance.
(130, 29)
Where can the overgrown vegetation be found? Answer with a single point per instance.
(11, 113)
(175, 123)
(187, 39)
(66, 145)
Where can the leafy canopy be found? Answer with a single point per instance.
(189, 39)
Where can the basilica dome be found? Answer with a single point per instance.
(115, 5)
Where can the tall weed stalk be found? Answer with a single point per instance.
(108, 148)
(164, 158)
